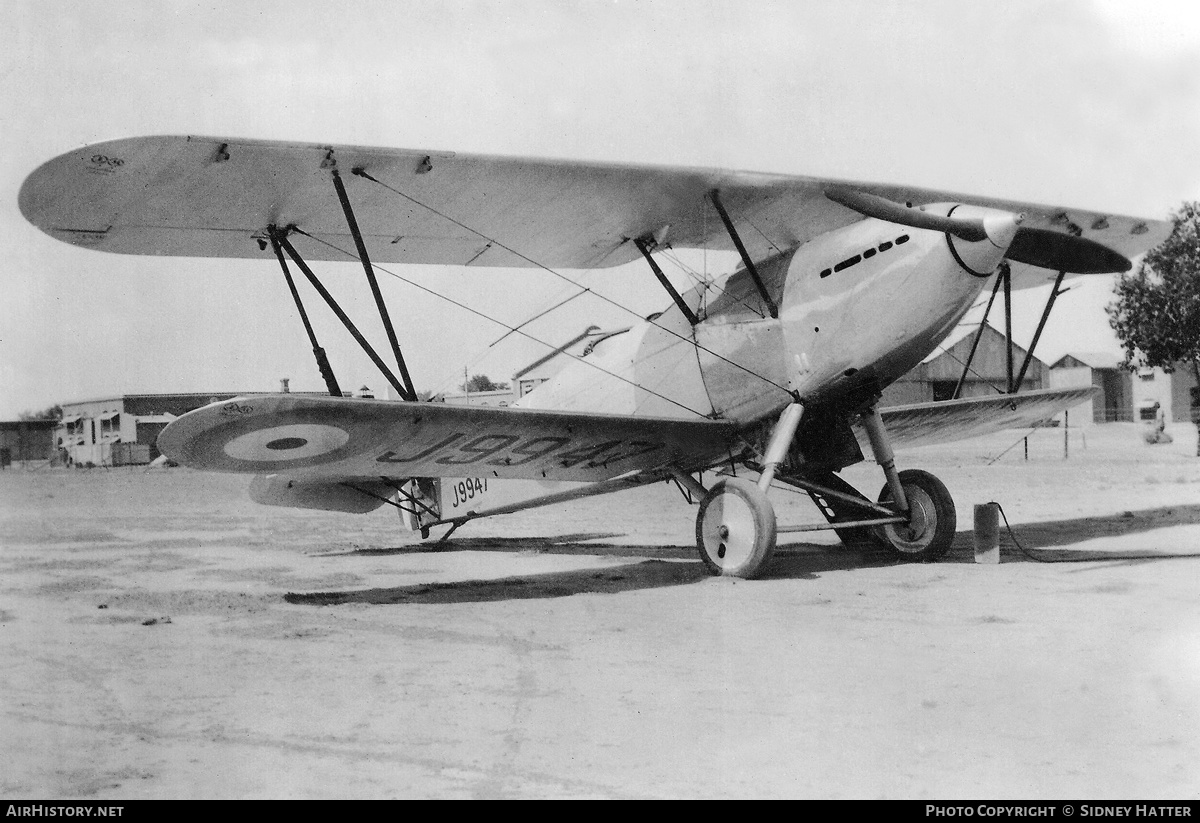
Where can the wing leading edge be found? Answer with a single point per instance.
(214, 197)
(945, 421)
(310, 438)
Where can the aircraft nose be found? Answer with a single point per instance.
(1002, 228)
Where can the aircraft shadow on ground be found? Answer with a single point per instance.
(667, 566)
(660, 566)
(647, 574)
(573, 544)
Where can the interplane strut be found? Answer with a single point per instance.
(975, 343)
(280, 236)
(1054, 293)
(280, 244)
(318, 352)
(410, 393)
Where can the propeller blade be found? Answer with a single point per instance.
(1036, 247)
(1065, 252)
(871, 205)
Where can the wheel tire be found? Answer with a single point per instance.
(735, 529)
(930, 531)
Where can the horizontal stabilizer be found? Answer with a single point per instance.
(945, 421)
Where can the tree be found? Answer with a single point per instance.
(1156, 314)
(52, 413)
(481, 382)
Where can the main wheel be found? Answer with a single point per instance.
(930, 530)
(735, 528)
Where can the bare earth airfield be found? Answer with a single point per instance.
(162, 636)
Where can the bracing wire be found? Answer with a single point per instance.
(582, 291)
(691, 340)
(1014, 445)
(972, 371)
(770, 242)
(707, 285)
(489, 318)
(693, 275)
(976, 326)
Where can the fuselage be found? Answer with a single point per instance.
(858, 307)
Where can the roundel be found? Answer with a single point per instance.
(297, 441)
(264, 438)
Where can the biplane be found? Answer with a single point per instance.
(769, 375)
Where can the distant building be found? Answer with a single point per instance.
(122, 430)
(1174, 392)
(937, 377)
(1113, 403)
(500, 397)
(22, 440)
(1125, 395)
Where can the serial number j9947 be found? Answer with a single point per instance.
(468, 489)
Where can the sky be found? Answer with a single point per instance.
(1075, 103)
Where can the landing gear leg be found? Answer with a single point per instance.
(835, 511)
(735, 528)
(931, 518)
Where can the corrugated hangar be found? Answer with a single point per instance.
(938, 377)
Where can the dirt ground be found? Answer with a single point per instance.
(161, 636)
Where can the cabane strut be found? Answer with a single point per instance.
(737, 241)
(644, 247)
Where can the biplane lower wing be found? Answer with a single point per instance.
(310, 438)
(330, 438)
(944, 421)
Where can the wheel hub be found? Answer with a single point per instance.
(735, 528)
(929, 530)
(915, 535)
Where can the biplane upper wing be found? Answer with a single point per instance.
(313, 437)
(214, 197)
(944, 421)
